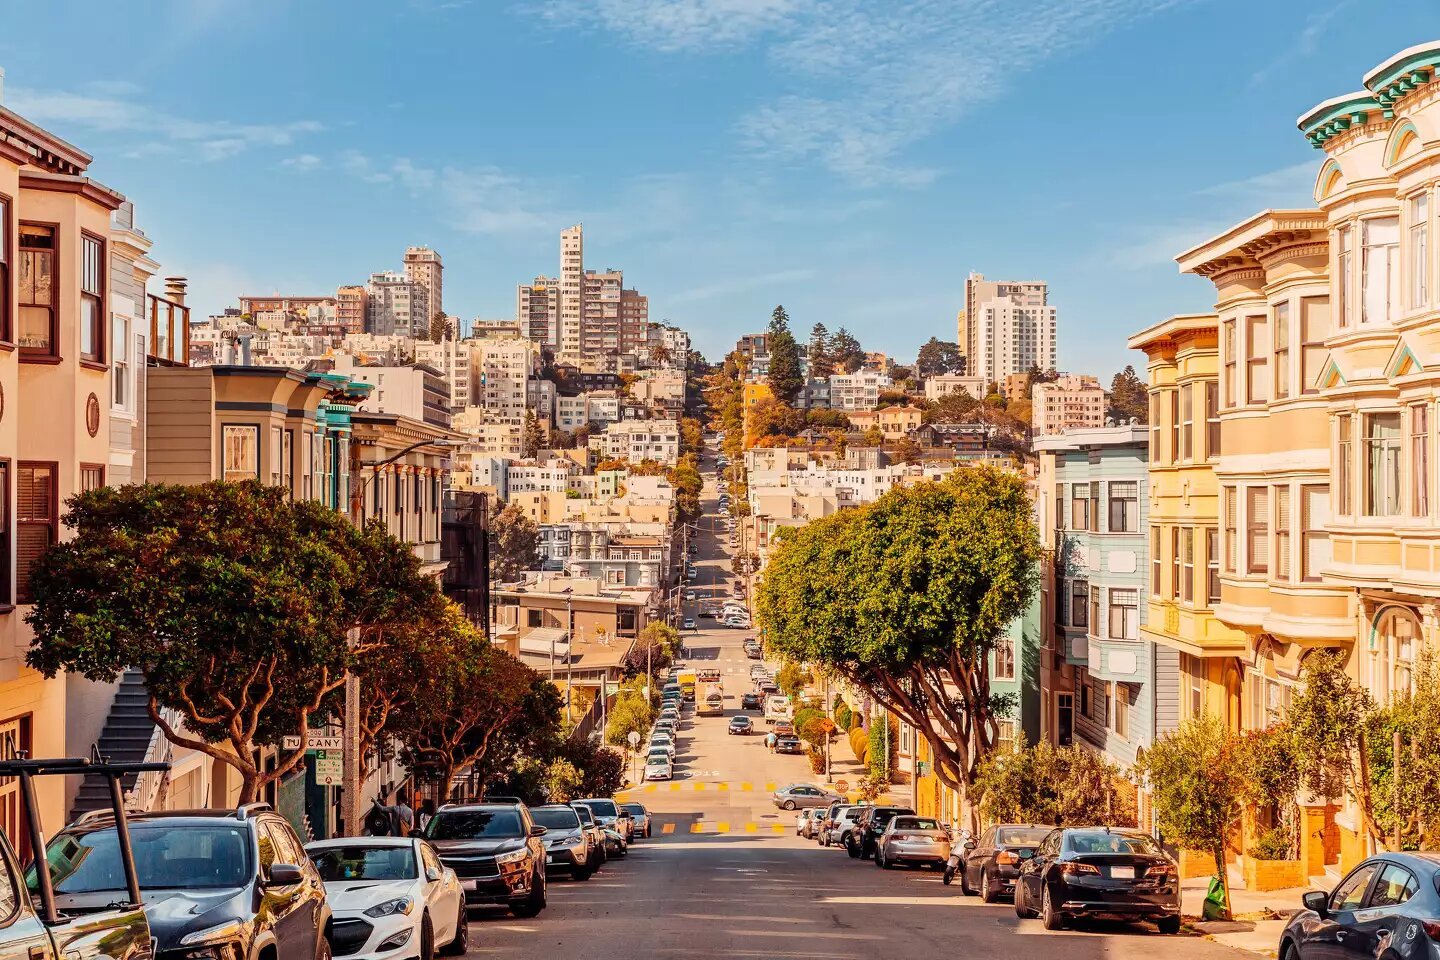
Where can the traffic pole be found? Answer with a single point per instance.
(350, 774)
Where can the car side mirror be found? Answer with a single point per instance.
(284, 875)
(1317, 900)
(970, 844)
(538, 831)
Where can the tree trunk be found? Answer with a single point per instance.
(1223, 877)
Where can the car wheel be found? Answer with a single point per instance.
(322, 948)
(1050, 916)
(1171, 926)
(880, 859)
(533, 904)
(427, 938)
(852, 849)
(987, 892)
(461, 943)
(1022, 909)
(581, 873)
(789, 804)
(965, 887)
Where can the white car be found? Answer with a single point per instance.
(742, 622)
(395, 893)
(658, 769)
(689, 624)
(690, 595)
(662, 742)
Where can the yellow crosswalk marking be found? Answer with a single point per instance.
(752, 827)
(722, 786)
(722, 827)
(696, 826)
(674, 788)
(668, 828)
(699, 786)
(650, 788)
(777, 828)
(770, 787)
(747, 786)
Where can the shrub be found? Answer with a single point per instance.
(860, 744)
(804, 716)
(884, 746)
(1052, 785)
(1273, 844)
(817, 760)
(842, 716)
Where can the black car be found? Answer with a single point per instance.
(860, 840)
(1389, 906)
(497, 851)
(1099, 872)
(567, 848)
(610, 814)
(217, 885)
(990, 865)
(750, 701)
(788, 744)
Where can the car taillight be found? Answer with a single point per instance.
(1070, 867)
(1005, 856)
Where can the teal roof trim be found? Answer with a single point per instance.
(1336, 117)
(1404, 75)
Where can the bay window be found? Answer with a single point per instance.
(1232, 528)
(39, 290)
(1080, 506)
(1187, 565)
(1344, 262)
(1227, 348)
(1174, 425)
(1419, 208)
(1155, 427)
(5, 257)
(239, 453)
(1124, 614)
(1124, 506)
(120, 389)
(1382, 465)
(1257, 529)
(1314, 328)
(1212, 420)
(1379, 270)
(1212, 566)
(1420, 460)
(1187, 421)
(1155, 561)
(37, 519)
(1079, 593)
(92, 298)
(1343, 464)
(1095, 506)
(1257, 359)
(1175, 563)
(1314, 541)
(1282, 533)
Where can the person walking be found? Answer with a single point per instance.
(403, 814)
(770, 741)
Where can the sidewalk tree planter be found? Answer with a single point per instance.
(905, 598)
(234, 601)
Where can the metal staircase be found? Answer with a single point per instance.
(127, 737)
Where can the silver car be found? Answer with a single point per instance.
(799, 795)
(840, 823)
(912, 839)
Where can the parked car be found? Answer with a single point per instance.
(593, 834)
(690, 624)
(658, 767)
(912, 839)
(662, 741)
(690, 595)
(784, 728)
(753, 653)
(1099, 872)
(842, 817)
(1392, 899)
(798, 795)
(610, 814)
(641, 816)
(567, 847)
(806, 820)
(234, 881)
(861, 839)
(788, 745)
(740, 725)
(497, 852)
(391, 894)
(616, 846)
(990, 865)
(749, 701)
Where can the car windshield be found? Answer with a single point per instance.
(474, 825)
(586, 817)
(638, 809)
(167, 856)
(1103, 842)
(362, 862)
(556, 818)
(603, 808)
(916, 823)
(1021, 836)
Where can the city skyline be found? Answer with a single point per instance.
(753, 175)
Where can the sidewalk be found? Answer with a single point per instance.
(1259, 917)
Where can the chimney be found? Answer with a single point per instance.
(243, 340)
(175, 289)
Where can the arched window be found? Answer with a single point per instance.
(1394, 644)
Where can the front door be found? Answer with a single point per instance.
(1064, 719)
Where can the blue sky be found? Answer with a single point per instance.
(848, 158)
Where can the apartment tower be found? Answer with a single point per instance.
(423, 266)
(1009, 327)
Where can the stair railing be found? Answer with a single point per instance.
(150, 787)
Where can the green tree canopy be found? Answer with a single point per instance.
(1054, 786)
(938, 356)
(906, 597)
(1129, 397)
(821, 362)
(514, 543)
(786, 380)
(846, 354)
(232, 599)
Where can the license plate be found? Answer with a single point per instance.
(552, 859)
(1122, 873)
(472, 884)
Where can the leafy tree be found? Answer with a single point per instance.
(654, 650)
(1271, 763)
(771, 417)
(629, 714)
(602, 770)
(938, 356)
(842, 715)
(394, 675)
(534, 434)
(685, 478)
(906, 450)
(792, 679)
(892, 398)
(873, 437)
(1197, 785)
(1129, 397)
(514, 543)
(232, 599)
(906, 597)
(439, 326)
(821, 419)
(785, 378)
(957, 407)
(1058, 786)
(821, 362)
(846, 354)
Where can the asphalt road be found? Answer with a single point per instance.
(724, 875)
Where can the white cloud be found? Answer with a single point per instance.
(110, 108)
(303, 163)
(741, 284)
(1288, 186)
(863, 81)
(474, 200)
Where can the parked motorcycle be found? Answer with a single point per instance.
(957, 853)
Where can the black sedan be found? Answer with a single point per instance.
(1389, 906)
(750, 701)
(1099, 872)
(990, 864)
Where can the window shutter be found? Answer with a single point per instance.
(1282, 532)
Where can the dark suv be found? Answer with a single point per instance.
(496, 851)
(217, 885)
(861, 840)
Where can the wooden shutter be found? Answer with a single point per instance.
(35, 513)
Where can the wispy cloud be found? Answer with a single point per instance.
(114, 109)
(1306, 43)
(304, 163)
(741, 284)
(1286, 186)
(865, 80)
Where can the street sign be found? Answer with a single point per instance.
(329, 767)
(634, 738)
(842, 785)
(922, 768)
(314, 742)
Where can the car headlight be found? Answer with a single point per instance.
(220, 934)
(514, 856)
(574, 841)
(391, 907)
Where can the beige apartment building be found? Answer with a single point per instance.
(350, 306)
(501, 373)
(1020, 298)
(396, 305)
(424, 266)
(1072, 402)
(583, 315)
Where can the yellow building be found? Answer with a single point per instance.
(751, 394)
(1183, 535)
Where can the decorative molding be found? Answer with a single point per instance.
(92, 415)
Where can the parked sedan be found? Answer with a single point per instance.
(567, 848)
(862, 838)
(750, 701)
(1391, 899)
(641, 816)
(799, 795)
(911, 839)
(741, 726)
(1100, 872)
(990, 865)
(658, 767)
(789, 744)
(395, 892)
